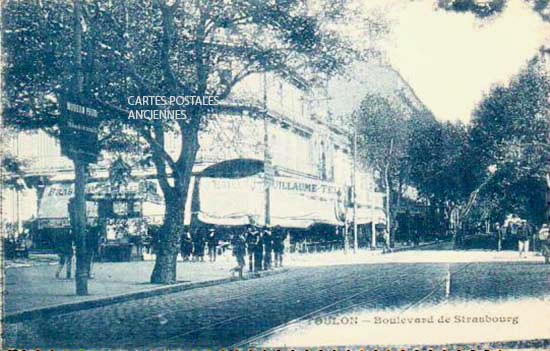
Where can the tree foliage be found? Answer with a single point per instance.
(511, 129)
(499, 161)
(382, 139)
(485, 9)
(439, 168)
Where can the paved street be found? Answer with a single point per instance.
(228, 314)
(32, 285)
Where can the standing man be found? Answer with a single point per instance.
(544, 237)
(93, 236)
(252, 239)
(258, 251)
(212, 244)
(498, 232)
(64, 247)
(268, 247)
(198, 244)
(279, 236)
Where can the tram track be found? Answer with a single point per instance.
(319, 287)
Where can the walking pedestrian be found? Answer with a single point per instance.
(268, 247)
(64, 247)
(239, 251)
(212, 240)
(523, 239)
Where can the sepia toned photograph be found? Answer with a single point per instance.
(275, 175)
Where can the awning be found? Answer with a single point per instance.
(53, 209)
(54, 205)
(235, 201)
(368, 215)
(293, 202)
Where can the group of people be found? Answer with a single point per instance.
(264, 247)
(525, 233)
(193, 247)
(522, 230)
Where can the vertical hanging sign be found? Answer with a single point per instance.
(79, 131)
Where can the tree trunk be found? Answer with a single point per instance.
(168, 244)
(175, 198)
(388, 210)
(388, 190)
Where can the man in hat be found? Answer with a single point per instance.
(64, 246)
(279, 236)
(524, 233)
(252, 241)
(258, 250)
(544, 237)
(186, 245)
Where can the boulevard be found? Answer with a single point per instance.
(277, 308)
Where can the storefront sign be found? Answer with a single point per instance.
(289, 184)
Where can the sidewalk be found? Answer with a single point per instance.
(417, 254)
(31, 286)
(31, 291)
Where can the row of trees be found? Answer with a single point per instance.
(491, 167)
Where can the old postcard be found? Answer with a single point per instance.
(275, 174)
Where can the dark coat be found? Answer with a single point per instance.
(63, 241)
(239, 245)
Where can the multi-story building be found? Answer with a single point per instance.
(306, 162)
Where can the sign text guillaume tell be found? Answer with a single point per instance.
(279, 183)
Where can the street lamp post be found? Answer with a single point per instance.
(268, 169)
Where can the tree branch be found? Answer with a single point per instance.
(245, 72)
(166, 42)
(155, 144)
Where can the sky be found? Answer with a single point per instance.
(452, 59)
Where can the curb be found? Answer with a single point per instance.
(110, 300)
(409, 248)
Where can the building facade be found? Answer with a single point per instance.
(304, 166)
